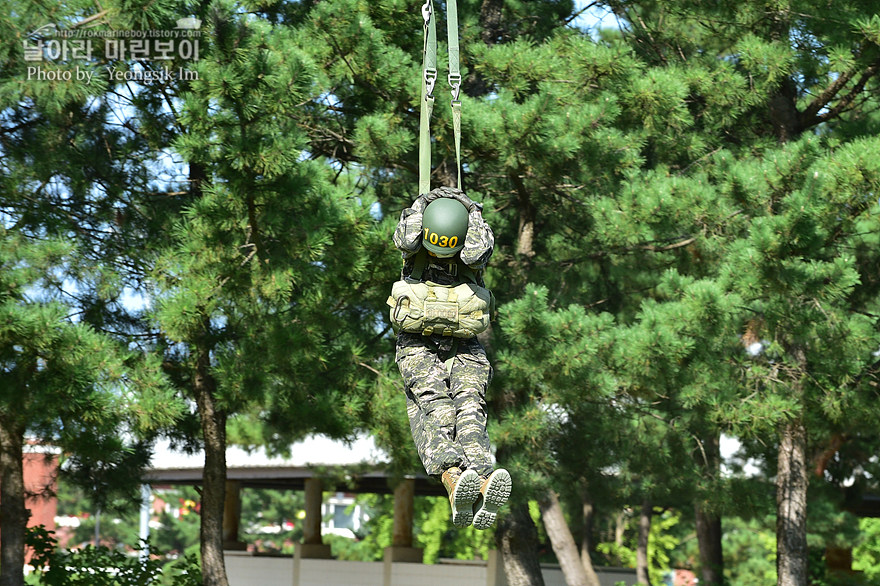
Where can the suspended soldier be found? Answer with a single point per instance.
(438, 307)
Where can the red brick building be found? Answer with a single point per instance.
(40, 465)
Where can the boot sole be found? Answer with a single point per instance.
(497, 492)
(463, 498)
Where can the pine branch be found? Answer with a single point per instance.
(822, 100)
(341, 54)
(845, 103)
(579, 12)
(91, 18)
(682, 241)
(347, 152)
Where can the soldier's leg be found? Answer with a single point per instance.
(430, 408)
(471, 373)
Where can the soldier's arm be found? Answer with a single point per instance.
(458, 194)
(408, 234)
(479, 243)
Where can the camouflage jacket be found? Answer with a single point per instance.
(478, 246)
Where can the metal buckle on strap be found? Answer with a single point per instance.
(430, 80)
(398, 305)
(450, 267)
(455, 83)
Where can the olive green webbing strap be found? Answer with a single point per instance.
(429, 78)
(452, 352)
(454, 80)
(419, 264)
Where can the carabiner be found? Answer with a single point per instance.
(430, 81)
(455, 84)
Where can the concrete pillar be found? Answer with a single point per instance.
(312, 522)
(313, 545)
(232, 516)
(402, 549)
(495, 575)
(297, 563)
(404, 501)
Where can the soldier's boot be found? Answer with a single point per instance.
(494, 492)
(463, 488)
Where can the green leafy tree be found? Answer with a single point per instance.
(662, 541)
(71, 380)
(259, 291)
(662, 211)
(685, 226)
(65, 384)
(798, 273)
(178, 531)
(866, 555)
(750, 551)
(101, 566)
(270, 250)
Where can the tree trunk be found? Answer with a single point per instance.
(711, 552)
(517, 540)
(619, 528)
(525, 241)
(708, 522)
(642, 561)
(587, 539)
(563, 544)
(213, 421)
(13, 513)
(491, 33)
(490, 21)
(791, 506)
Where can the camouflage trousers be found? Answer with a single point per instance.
(447, 410)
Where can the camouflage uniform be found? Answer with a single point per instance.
(447, 410)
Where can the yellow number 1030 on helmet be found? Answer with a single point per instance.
(444, 227)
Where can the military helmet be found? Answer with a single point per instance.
(444, 226)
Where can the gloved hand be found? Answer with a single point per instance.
(470, 204)
(450, 192)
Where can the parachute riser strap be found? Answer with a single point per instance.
(454, 80)
(419, 265)
(429, 78)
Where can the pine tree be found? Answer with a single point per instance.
(664, 209)
(260, 290)
(70, 378)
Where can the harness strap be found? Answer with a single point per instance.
(452, 352)
(429, 78)
(420, 263)
(454, 80)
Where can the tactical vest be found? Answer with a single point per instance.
(461, 309)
